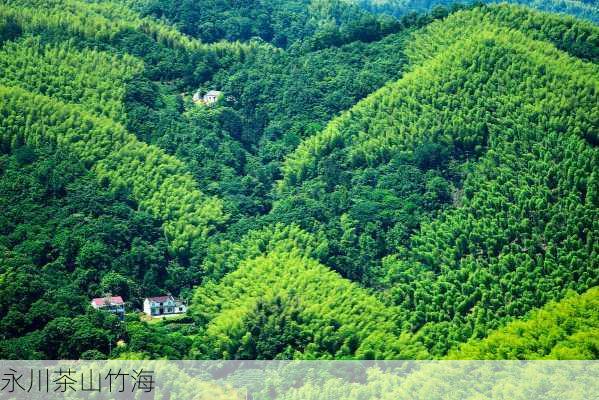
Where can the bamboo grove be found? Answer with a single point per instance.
(371, 186)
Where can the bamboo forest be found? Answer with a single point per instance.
(299, 180)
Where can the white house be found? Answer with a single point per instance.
(113, 304)
(208, 99)
(163, 306)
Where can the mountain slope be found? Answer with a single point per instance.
(563, 330)
(281, 22)
(101, 20)
(104, 211)
(577, 38)
(95, 80)
(86, 86)
(168, 54)
(519, 120)
(158, 182)
(283, 305)
(454, 200)
(64, 240)
(579, 8)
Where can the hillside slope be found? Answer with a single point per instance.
(89, 208)
(563, 330)
(460, 193)
(283, 305)
(575, 37)
(586, 9)
(158, 182)
(519, 121)
(281, 22)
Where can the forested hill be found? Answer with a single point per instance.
(485, 127)
(586, 9)
(281, 22)
(366, 187)
(107, 213)
(287, 22)
(564, 330)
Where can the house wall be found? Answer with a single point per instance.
(147, 308)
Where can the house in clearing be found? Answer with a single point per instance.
(208, 99)
(113, 304)
(162, 306)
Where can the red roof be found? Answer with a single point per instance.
(160, 299)
(105, 301)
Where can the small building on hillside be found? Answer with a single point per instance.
(161, 306)
(113, 304)
(208, 99)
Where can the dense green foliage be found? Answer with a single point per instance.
(64, 240)
(565, 330)
(168, 54)
(578, 38)
(278, 101)
(578, 8)
(282, 22)
(94, 80)
(501, 105)
(274, 99)
(102, 20)
(525, 226)
(285, 306)
(437, 179)
(158, 182)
